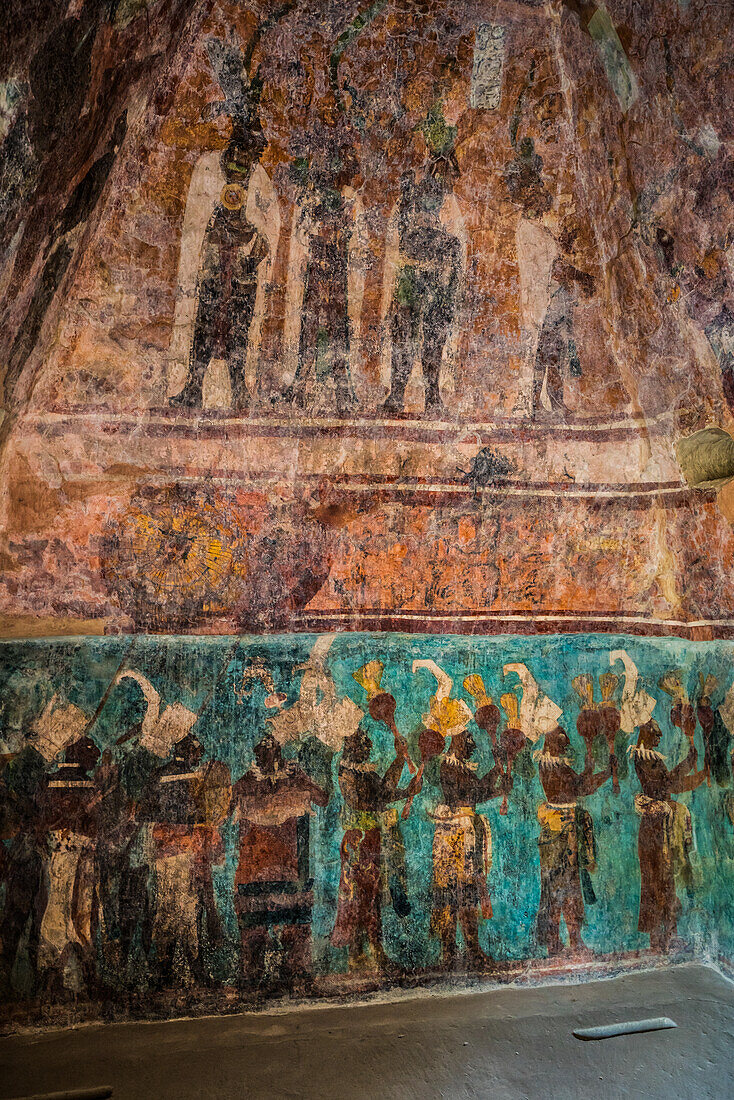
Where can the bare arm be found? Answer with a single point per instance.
(389, 784)
(688, 782)
(686, 765)
(318, 795)
(493, 784)
(590, 781)
(260, 247)
(414, 786)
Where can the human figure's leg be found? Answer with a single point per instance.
(25, 903)
(549, 919)
(107, 919)
(447, 928)
(307, 343)
(369, 887)
(38, 908)
(254, 941)
(12, 926)
(405, 325)
(207, 901)
(336, 319)
(355, 950)
(345, 400)
(573, 914)
(550, 356)
(296, 940)
(539, 368)
(242, 308)
(132, 906)
(202, 347)
(437, 319)
(666, 934)
(469, 918)
(166, 961)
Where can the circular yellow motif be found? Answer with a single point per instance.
(179, 553)
(233, 196)
(175, 556)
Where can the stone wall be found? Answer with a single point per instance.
(333, 334)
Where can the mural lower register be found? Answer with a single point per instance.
(207, 821)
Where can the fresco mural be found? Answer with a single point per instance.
(367, 452)
(303, 266)
(202, 822)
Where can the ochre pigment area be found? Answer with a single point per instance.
(367, 478)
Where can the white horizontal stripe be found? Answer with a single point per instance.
(369, 422)
(513, 616)
(262, 477)
(452, 487)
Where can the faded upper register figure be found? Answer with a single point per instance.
(549, 287)
(234, 248)
(324, 270)
(428, 271)
(230, 237)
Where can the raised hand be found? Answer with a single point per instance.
(609, 720)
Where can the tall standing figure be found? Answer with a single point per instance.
(367, 795)
(426, 290)
(665, 835)
(133, 866)
(227, 282)
(241, 235)
(556, 355)
(566, 842)
(462, 839)
(72, 820)
(22, 796)
(184, 801)
(329, 183)
(273, 802)
(371, 847)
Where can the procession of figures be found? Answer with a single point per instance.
(235, 229)
(111, 856)
(227, 263)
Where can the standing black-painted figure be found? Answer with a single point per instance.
(329, 185)
(22, 794)
(227, 283)
(426, 289)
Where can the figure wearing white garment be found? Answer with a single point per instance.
(235, 252)
(548, 288)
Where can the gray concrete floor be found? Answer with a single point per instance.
(503, 1044)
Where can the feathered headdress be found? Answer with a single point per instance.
(583, 685)
(369, 677)
(440, 139)
(447, 716)
(672, 683)
(474, 685)
(241, 93)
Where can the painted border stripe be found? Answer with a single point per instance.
(510, 616)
